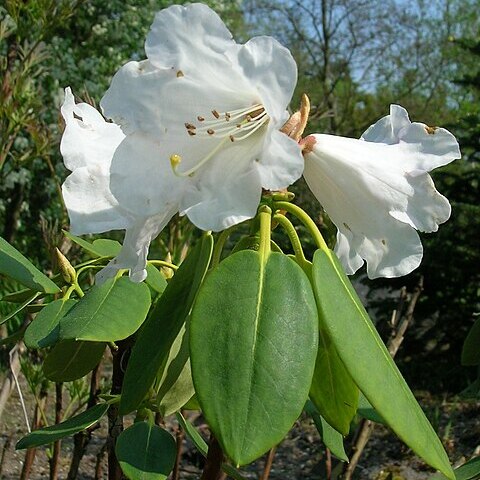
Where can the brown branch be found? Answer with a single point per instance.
(268, 464)
(180, 435)
(213, 464)
(99, 461)
(36, 423)
(399, 324)
(115, 420)
(82, 439)
(54, 460)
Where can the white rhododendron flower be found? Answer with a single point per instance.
(201, 121)
(377, 190)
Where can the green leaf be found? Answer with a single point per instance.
(14, 265)
(104, 247)
(471, 346)
(175, 385)
(18, 297)
(366, 410)
(253, 342)
(146, 452)
(20, 308)
(99, 248)
(71, 426)
(163, 325)
(108, 312)
(70, 360)
(369, 363)
(468, 471)
(331, 438)
(155, 279)
(333, 391)
(202, 446)
(45, 327)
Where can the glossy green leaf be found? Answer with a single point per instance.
(467, 471)
(69, 427)
(108, 312)
(45, 327)
(14, 265)
(99, 248)
(253, 342)
(18, 309)
(369, 363)
(366, 410)
(146, 452)
(202, 446)
(163, 325)
(471, 346)
(155, 279)
(70, 360)
(19, 296)
(333, 391)
(331, 438)
(175, 386)
(104, 247)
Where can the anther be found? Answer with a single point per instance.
(227, 116)
(191, 133)
(180, 74)
(189, 126)
(210, 131)
(215, 114)
(200, 119)
(232, 138)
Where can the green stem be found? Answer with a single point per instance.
(162, 263)
(78, 290)
(220, 244)
(265, 214)
(303, 216)
(287, 225)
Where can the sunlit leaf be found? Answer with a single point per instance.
(253, 342)
(108, 312)
(69, 427)
(14, 265)
(369, 362)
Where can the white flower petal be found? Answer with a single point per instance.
(223, 197)
(134, 252)
(181, 35)
(271, 68)
(90, 204)
(133, 99)
(281, 162)
(141, 176)
(374, 202)
(393, 250)
(88, 145)
(425, 148)
(88, 140)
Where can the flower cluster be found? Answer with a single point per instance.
(196, 128)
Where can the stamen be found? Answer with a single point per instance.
(248, 121)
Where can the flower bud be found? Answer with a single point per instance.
(68, 272)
